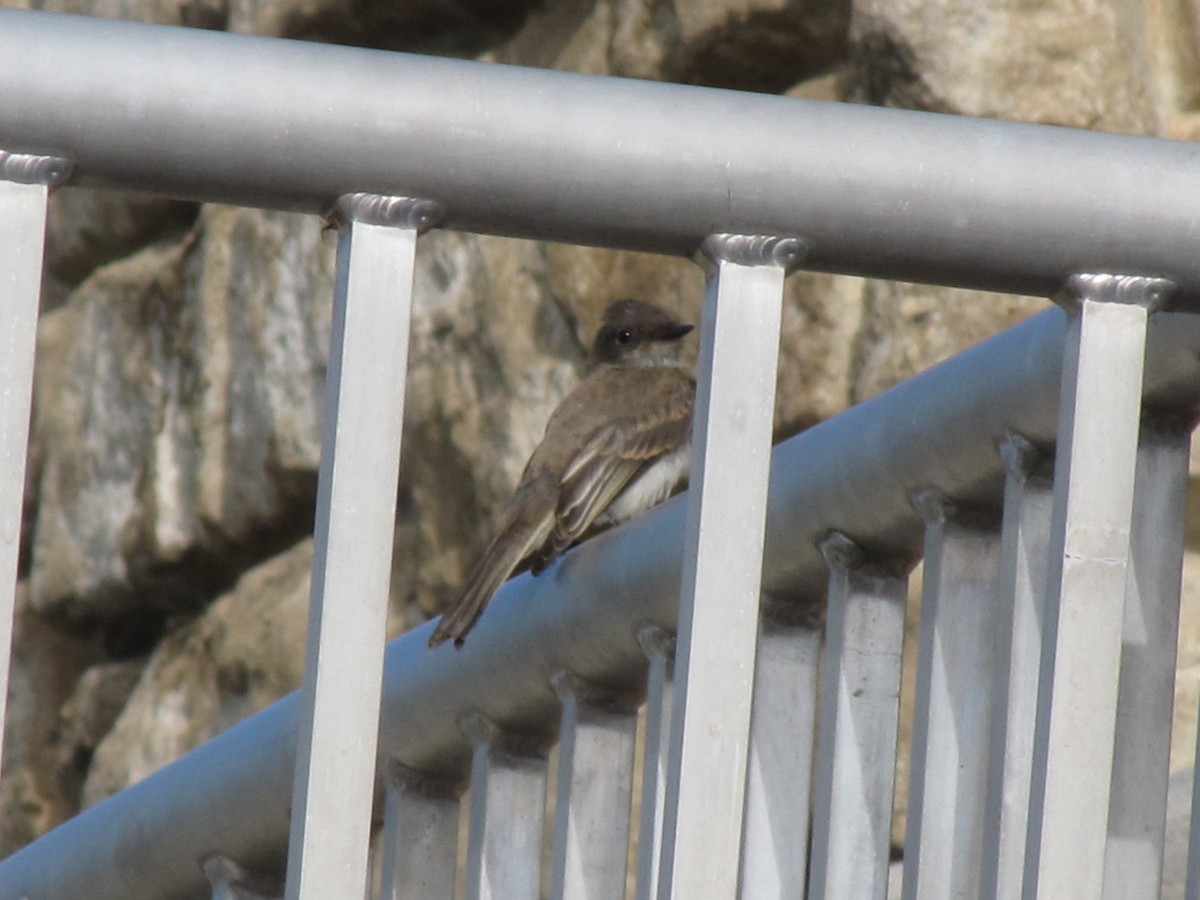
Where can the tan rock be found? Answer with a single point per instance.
(1071, 62)
(179, 436)
(191, 13)
(426, 26)
(906, 328)
(95, 704)
(40, 781)
(765, 45)
(759, 45)
(242, 654)
(95, 423)
(88, 228)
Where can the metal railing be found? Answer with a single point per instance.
(1040, 740)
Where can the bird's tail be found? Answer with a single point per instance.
(512, 544)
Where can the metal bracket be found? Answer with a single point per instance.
(483, 732)
(780, 251)
(390, 211)
(412, 781)
(29, 168)
(656, 641)
(232, 881)
(1135, 290)
(590, 695)
(1021, 457)
(843, 553)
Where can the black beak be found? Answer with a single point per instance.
(673, 332)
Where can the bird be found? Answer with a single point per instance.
(617, 444)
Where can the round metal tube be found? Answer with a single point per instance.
(854, 473)
(613, 162)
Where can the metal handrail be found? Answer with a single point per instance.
(231, 795)
(877, 192)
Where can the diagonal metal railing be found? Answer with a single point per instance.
(1039, 779)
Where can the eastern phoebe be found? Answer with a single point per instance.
(616, 445)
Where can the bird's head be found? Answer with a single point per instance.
(636, 333)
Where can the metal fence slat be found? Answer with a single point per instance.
(722, 574)
(507, 809)
(659, 647)
(420, 836)
(356, 505)
(860, 711)
(779, 781)
(956, 665)
(1137, 813)
(1095, 462)
(595, 790)
(1021, 602)
(25, 183)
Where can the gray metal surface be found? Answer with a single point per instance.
(720, 586)
(659, 646)
(595, 790)
(22, 236)
(899, 194)
(956, 665)
(853, 473)
(507, 809)
(778, 783)
(420, 837)
(1137, 814)
(24, 188)
(1021, 596)
(860, 712)
(1095, 463)
(352, 557)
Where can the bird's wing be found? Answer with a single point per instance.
(610, 459)
(523, 528)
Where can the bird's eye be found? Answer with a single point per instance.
(624, 336)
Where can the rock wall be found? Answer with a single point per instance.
(182, 350)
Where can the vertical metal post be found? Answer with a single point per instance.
(1020, 620)
(1137, 812)
(778, 787)
(860, 712)
(420, 836)
(595, 790)
(956, 665)
(25, 185)
(1192, 887)
(1095, 461)
(722, 570)
(659, 646)
(508, 808)
(356, 507)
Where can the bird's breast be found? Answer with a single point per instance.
(651, 487)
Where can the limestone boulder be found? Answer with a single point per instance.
(177, 434)
(86, 229)
(426, 26)
(761, 45)
(243, 653)
(1082, 63)
(40, 783)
